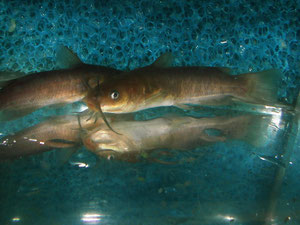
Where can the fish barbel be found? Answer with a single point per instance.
(154, 86)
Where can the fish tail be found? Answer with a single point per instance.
(256, 130)
(262, 86)
(252, 129)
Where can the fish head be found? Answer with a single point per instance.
(103, 139)
(119, 96)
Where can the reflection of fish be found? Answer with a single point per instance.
(26, 94)
(38, 139)
(181, 133)
(139, 137)
(56, 132)
(155, 86)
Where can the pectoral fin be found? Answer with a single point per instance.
(156, 96)
(213, 135)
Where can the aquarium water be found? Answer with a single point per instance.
(225, 183)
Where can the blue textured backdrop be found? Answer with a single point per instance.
(243, 35)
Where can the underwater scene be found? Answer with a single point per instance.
(149, 112)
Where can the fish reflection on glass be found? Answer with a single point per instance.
(155, 86)
(180, 133)
(138, 137)
(56, 132)
(24, 95)
(61, 132)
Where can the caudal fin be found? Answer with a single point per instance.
(261, 87)
(252, 129)
(257, 128)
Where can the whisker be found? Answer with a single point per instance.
(86, 84)
(105, 120)
(81, 129)
(98, 83)
(96, 117)
(91, 115)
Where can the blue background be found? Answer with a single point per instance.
(208, 183)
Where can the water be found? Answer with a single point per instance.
(225, 183)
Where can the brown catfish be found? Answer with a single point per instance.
(180, 133)
(154, 86)
(28, 93)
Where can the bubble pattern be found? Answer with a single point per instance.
(246, 35)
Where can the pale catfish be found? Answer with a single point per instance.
(174, 133)
(56, 132)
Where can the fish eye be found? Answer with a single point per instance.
(114, 95)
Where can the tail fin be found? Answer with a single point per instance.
(262, 86)
(252, 129)
(257, 130)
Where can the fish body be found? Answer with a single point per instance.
(70, 84)
(56, 132)
(34, 140)
(154, 86)
(180, 133)
(28, 93)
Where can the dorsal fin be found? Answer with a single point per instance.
(66, 58)
(165, 60)
(10, 75)
(7, 77)
(225, 70)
